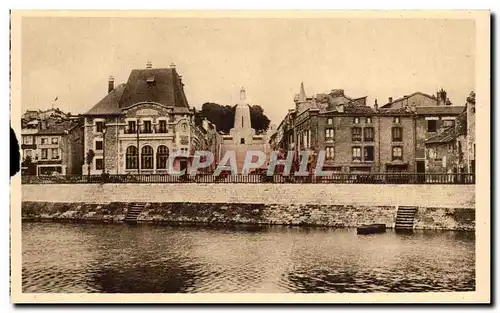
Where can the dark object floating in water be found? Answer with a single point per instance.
(371, 229)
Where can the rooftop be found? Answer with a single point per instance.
(387, 105)
(158, 85)
(446, 136)
(58, 128)
(437, 110)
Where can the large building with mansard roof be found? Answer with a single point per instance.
(136, 126)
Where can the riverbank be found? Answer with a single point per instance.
(227, 214)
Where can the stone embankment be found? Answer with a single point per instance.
(334, 205)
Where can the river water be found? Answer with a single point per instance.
(160, 259)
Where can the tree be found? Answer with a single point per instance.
(29, 166)
(260, 122)
(89, 159)
(222, 116)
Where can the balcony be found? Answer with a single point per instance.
(28, 146)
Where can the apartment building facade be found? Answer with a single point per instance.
(361, 138)
(139, 124)
(52, 148)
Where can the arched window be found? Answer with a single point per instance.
(161, 157)
(131, 158)
(147, 157)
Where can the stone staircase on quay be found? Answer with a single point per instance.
(133, 212)
(405, 218)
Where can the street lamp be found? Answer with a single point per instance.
(138, 150)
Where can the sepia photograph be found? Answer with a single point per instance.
(220, 156)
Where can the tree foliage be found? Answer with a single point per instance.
(29, 166)
(223, 116)
(89, 158)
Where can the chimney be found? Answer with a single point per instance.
(172, 65)
(441, 97)
(390, 99)
(149, 65)
(111, 83)
(376, 105)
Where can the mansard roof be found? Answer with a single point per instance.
(109, 105)
(158, 85)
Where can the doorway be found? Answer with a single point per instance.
(421, 171)
(184, 166)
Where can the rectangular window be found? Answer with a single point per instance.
(368, 134)
(28, 140)
(131, 128)
(431, 126)
(99, 126)
(397, 153)
(329, 134)
(451, 147)
(45, 153)
(448, 123)
(147, 127)
(356, 153)
(55, 141)
(55, 153)
(356, 120)
(330, 121)
(356, 134)
(27, 153)
(330, 153)
(162, 127)
(397, 120)
(397, 134)
(368, 120)
(98, 145)
(368, 153)
(44, 141)
(98, 164)
(304, 140)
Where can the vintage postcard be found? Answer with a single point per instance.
(251, 157)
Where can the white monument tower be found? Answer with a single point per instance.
(242, 131)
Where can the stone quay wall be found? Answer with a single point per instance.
(449, 207)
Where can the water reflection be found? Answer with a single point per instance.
(142, 259)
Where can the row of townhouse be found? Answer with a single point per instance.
(360, 138)
(50, 146)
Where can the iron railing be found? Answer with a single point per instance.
(351, 178)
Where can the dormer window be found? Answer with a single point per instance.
(150, 80)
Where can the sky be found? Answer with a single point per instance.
(71, 58)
